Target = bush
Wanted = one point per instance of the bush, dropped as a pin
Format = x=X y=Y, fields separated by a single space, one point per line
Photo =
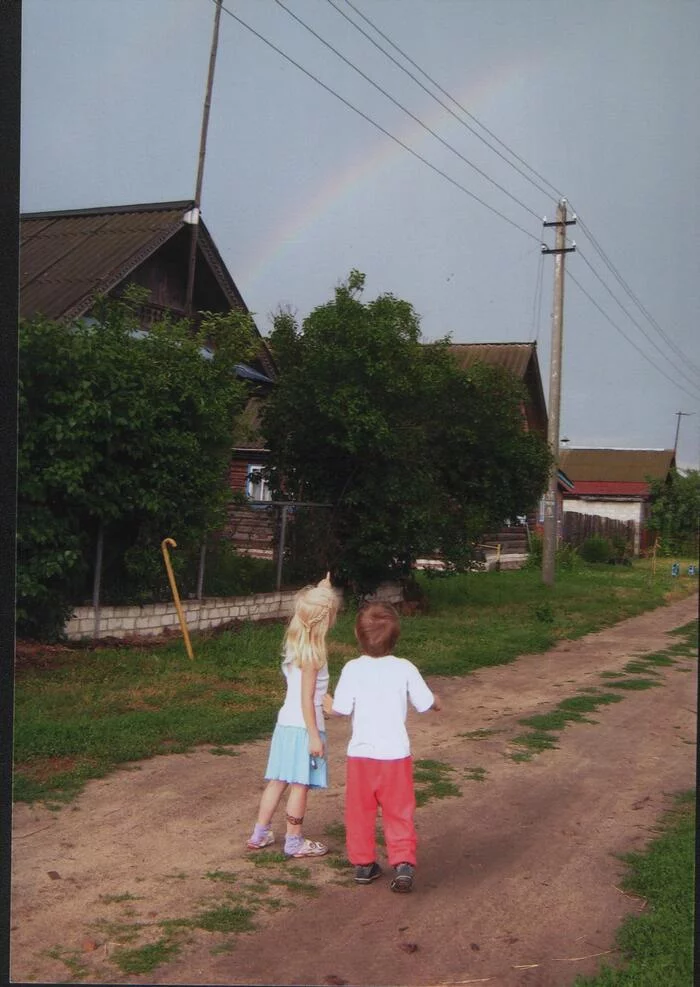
x=123 y=435
x=596 y=549
x=567 y=557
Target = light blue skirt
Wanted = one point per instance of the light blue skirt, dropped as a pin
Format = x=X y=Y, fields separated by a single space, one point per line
x=290 y=760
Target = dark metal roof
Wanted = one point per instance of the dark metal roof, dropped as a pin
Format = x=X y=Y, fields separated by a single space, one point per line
x=68 y=257
x=513 y=356
x=616 y=465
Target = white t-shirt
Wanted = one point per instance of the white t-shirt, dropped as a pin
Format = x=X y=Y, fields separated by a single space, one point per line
x=290 y=714
x=376 y=691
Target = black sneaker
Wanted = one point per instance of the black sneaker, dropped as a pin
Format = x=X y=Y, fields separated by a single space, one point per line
x=366 y=873
x=403 y=877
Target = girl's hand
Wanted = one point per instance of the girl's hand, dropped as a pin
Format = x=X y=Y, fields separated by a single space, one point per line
x=315 y=745
x=328 y=704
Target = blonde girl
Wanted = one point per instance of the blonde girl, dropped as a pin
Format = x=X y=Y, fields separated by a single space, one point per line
x=297 y=750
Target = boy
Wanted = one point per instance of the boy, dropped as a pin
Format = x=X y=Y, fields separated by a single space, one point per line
x=374 y=688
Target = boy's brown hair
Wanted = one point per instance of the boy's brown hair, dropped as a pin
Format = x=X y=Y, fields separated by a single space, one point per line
x=377 y=629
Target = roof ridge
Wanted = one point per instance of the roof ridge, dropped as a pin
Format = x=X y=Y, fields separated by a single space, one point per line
x=519 y=343
x=101 y=210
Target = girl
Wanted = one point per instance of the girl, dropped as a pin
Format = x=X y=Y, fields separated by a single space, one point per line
x=297 y=750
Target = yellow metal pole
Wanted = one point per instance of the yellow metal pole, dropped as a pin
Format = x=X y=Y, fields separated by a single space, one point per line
x=176 y=596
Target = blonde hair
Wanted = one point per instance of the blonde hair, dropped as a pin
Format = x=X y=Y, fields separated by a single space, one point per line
x=315 y=610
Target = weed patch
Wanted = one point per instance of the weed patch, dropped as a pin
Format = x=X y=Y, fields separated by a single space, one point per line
x=223 y=918
x=475 y=774
x=432 y=781
x=144 y=959
x=222 y=875
x=478 y=734
x=71 y=959
x=536 y=741
x=271 y=858
x=633 y=684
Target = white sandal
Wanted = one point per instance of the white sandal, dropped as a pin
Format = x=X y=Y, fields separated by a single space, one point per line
x=266 y=840
x=310 y=848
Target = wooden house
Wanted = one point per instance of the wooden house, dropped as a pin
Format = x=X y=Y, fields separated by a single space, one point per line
x=67 y=258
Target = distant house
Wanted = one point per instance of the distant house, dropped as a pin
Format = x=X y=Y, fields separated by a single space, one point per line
x=614 y=483
x=68 y=258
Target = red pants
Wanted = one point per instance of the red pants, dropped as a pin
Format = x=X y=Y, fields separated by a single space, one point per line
x=389 y=784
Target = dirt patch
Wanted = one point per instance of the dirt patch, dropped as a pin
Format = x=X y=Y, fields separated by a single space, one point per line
x=518 y=878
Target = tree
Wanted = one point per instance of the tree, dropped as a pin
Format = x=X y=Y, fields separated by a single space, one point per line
x=414 y=454
x=675 y=511
x=122 y=432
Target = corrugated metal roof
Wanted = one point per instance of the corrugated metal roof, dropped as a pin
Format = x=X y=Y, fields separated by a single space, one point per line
x=69 y=256
x=616 y=465
x=513 y=356
x=608 y=488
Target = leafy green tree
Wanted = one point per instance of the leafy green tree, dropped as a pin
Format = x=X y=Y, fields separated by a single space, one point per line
x=675 y=511
x=123 y=432
x=413 y=454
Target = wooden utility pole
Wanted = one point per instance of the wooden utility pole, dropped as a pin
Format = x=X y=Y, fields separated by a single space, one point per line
x=200 y=167
x=549 y=541
x=679 y=415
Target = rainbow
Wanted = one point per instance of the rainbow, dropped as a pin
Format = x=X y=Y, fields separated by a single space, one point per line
x=298 y=223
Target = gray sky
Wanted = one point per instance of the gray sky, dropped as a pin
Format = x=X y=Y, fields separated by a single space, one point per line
x=600 y=97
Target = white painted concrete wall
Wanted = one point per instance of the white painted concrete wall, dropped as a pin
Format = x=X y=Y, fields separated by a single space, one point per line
x=154 y=619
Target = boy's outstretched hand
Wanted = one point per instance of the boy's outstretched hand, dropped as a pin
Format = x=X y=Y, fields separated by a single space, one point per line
x=437 y=704
x=328 y=704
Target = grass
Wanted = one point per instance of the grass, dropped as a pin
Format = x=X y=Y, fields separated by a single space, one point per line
x=71 y=959
x=657 y=945
x=432 y=781
x=86 y=712
x=475 y=774
x=144 y=959
x=541 y=737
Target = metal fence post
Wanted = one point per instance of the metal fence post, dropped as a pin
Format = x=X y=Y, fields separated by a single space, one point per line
x=200 y=572
x=96 y=582
x=280 y=556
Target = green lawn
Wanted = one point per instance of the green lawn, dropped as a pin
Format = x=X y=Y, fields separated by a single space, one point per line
x=84 y=712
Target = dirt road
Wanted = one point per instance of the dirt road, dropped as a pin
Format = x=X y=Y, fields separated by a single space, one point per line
x=517 y=884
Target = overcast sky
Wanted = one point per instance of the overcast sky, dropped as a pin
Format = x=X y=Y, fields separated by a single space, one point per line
x=599 y=97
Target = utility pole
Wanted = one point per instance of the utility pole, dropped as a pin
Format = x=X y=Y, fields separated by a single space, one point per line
x=200 y=168
x=549 y=541
x=679 y=415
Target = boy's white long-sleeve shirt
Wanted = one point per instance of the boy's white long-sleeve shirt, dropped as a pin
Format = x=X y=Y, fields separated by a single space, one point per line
x=376 y=691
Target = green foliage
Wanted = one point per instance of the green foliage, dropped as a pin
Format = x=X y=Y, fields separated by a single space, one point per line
x=596 y=549
x=125 y=432
x=414 y=454
x=566 y=556
x=675 y=512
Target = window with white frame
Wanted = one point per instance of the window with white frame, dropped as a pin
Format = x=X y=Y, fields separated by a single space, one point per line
x=256 y=486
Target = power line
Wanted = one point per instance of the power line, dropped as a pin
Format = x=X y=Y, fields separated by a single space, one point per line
x=378 y=126
x=625 y=336
x=413 y=116
x=634 y=321
x=554 y=190
x=611 y=267
x=433 y=96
